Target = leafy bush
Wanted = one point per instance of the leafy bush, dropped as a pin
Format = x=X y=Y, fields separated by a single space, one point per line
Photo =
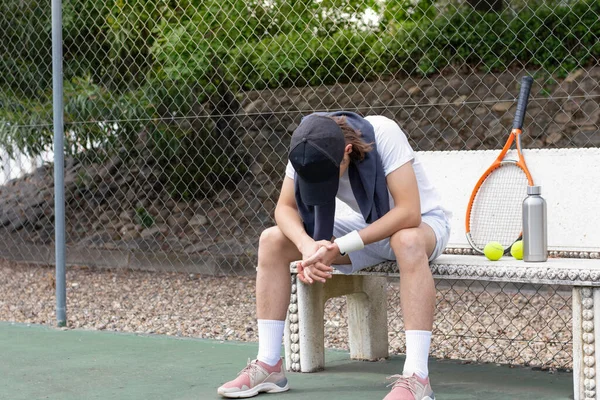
x=558 y=39
x=25 y=47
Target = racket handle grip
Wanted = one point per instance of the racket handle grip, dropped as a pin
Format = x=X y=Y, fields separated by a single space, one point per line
x=526 y=83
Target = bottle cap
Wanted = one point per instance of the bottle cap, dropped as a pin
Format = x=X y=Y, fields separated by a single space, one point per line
x=534 y=190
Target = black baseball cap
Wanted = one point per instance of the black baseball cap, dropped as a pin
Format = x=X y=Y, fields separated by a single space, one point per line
x=316 y=151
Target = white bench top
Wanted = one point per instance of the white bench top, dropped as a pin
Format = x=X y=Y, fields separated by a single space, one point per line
x=556 y=271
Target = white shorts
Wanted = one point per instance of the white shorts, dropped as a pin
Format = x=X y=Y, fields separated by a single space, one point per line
x=381 y=251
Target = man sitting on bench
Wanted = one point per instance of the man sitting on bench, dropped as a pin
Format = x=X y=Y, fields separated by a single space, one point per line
x=368 y=164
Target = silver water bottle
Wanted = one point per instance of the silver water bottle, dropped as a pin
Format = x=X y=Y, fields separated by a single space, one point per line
x=535 y=236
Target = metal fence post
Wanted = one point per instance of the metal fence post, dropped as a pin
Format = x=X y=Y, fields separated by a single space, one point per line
x=59 y=187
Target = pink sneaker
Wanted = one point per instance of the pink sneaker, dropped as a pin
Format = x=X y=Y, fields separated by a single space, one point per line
x=255 y=378
x=410 y=388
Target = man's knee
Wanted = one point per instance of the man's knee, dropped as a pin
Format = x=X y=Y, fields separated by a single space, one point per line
x=274 y=248
x=409 y=246
x=272 y=238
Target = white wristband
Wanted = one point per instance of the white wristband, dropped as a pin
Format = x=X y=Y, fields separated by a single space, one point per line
x=350 y=242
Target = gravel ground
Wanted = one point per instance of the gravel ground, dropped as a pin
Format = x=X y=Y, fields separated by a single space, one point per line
x=501 y=324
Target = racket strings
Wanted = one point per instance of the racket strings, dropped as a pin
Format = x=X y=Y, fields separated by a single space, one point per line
x=496 y=213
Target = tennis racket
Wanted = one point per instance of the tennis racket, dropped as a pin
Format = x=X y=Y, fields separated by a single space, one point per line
x=494 y=212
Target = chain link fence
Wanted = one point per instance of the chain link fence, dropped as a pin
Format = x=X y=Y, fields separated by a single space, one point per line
x=178 y=116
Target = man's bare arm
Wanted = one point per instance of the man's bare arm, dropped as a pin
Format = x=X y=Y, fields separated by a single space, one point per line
x=406 y=212
x=287 y=217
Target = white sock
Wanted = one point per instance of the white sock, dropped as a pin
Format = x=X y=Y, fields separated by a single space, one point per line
x=270 y=337
x=417 y=353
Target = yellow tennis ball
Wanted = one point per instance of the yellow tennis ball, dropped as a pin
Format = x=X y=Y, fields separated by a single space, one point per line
x=493 y=251
x=517 y=250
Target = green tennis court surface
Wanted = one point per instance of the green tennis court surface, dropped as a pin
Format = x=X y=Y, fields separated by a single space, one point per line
x=38 y=362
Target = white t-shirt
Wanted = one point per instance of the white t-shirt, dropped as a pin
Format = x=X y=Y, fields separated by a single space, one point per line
x=394 y=151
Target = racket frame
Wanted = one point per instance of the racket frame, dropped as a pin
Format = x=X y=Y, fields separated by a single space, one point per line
x=515 y=136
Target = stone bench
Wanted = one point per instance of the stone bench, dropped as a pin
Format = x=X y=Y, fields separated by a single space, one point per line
x=570 y=180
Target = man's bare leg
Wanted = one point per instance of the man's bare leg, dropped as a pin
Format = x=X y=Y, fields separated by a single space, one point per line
x=273 y=284
x=412 y=248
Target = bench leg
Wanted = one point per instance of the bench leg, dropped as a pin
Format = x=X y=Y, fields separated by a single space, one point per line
x=306 y=333
x=367 y=318
x=291 y=338
x=586 y=333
